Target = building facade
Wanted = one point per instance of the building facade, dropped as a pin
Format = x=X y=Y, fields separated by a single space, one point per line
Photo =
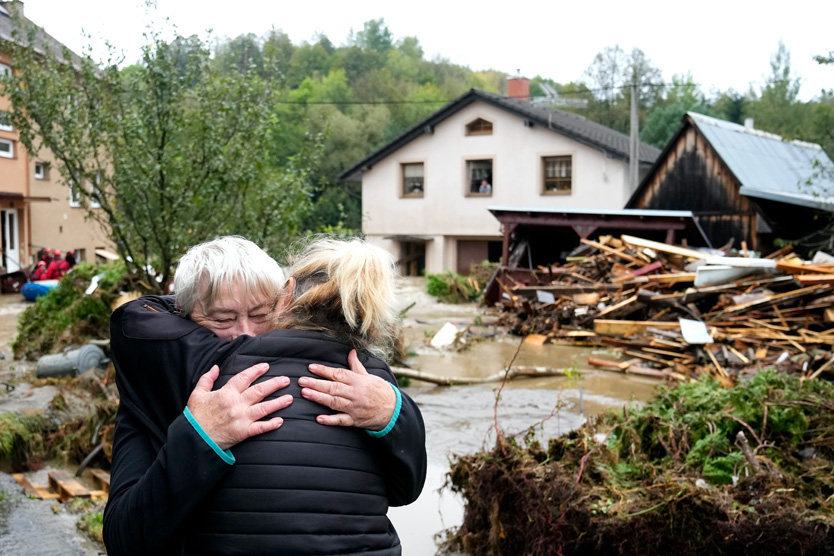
x=36 y=209
x=426 y=195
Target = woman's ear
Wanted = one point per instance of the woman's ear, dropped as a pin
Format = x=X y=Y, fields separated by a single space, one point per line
x=286 y=297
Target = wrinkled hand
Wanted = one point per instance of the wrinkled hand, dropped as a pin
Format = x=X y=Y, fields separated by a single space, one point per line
x=231 y=414
x=365 y=401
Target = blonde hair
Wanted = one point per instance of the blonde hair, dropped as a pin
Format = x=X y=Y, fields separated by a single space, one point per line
x=345 y=288
x=206 y=269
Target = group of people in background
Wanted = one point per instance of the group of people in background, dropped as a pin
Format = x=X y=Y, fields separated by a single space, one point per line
x=51 y=266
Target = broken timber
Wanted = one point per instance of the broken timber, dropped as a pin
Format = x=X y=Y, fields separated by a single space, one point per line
x=63 y=486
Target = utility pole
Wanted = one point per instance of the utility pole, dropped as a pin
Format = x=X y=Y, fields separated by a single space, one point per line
x=634 y=141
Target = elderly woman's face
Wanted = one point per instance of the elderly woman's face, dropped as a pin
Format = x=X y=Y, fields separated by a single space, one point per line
x=234 y=314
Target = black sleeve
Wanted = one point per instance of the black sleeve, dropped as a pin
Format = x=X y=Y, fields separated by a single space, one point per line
x=403 y=455
x=402 y=451
x=153 y=490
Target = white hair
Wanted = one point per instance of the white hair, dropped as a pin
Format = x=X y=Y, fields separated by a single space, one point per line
x=209 y=267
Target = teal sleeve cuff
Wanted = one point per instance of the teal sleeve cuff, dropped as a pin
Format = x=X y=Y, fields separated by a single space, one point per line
x=393 y=421
x=225 y=455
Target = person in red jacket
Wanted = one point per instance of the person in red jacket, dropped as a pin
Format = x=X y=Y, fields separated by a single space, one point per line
x=57 y=268
x=40 y=272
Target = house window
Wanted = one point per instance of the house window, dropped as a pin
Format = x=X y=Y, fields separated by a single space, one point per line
x=74 y=196
x=94 y=194
x=6 y=148
x=41 y=170
x=480 y=176
x=5 y=70
x=479 y=127
x=5 y=121
x=557 y=172
x=413 y=179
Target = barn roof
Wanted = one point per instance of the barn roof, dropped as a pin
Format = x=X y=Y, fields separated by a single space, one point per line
x=765 y=165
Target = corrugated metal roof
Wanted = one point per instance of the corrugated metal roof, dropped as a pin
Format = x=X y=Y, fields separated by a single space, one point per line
x=768 y=167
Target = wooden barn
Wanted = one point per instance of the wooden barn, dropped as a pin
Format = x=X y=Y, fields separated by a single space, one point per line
x=742 y=184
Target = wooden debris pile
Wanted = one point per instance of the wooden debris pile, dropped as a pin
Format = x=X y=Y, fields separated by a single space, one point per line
x=670 y=311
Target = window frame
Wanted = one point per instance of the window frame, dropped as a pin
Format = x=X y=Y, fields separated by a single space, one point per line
x=490 y=179
x=544 y=189
x=471 y=130
x=42 y=174
x=412 y=195
x=73 y=201
x=10 y=153
x=9 y=126
x=93 y=202
x=5 y=69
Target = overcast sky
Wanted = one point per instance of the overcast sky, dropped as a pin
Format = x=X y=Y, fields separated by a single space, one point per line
x=722 y=43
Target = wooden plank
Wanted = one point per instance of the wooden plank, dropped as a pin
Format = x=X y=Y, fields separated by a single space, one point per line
x=615 y=252
x=718 y=367
x=67 y=486
x=103 y=478
x=28 y=487
x=535 y=339
x=791 y=268
x=616 y=306
x=613 y=327
x=805 y=279
x=663 y=247
x=605 y=363
x=673 y=278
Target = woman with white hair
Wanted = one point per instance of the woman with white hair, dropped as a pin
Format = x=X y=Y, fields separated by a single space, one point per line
x=320 y=478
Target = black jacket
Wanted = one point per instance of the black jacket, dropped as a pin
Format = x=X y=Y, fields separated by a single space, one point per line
x=164 y=475
x=308 y=488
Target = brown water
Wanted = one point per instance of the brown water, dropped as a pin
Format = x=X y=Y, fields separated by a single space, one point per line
x=461 y=419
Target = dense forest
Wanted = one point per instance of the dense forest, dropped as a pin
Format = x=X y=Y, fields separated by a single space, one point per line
x=357 y=96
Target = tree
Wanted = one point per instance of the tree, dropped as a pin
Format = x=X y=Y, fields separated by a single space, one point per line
x=682 y=96
x=375 y=36
x=778 y=109
x=163 y=154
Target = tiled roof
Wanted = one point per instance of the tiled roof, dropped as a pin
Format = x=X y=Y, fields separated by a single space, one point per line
x=42 y=39
x=572 y=125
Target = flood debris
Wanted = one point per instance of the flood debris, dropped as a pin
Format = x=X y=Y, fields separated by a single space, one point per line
x=678 y=311
x=702 y=469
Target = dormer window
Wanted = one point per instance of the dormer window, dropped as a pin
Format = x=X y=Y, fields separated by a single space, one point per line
x=479 y=127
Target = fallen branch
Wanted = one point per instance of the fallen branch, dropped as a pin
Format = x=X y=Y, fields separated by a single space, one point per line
x=514 y=372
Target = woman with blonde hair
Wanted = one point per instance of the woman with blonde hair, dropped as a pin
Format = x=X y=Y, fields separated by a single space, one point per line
x=349 y=445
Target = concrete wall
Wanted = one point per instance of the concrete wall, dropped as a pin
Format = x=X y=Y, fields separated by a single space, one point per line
x=447 y=211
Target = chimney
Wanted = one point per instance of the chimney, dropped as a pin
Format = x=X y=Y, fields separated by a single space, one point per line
x=518 y=87
x=748 y=123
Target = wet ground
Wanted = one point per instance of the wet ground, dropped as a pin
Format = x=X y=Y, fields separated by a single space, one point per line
x=459 y=420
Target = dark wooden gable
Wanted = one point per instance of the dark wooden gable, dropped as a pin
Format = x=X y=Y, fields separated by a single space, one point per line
x=690 y=175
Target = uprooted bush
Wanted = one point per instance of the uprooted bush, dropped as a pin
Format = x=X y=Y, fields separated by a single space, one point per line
x=79 y=418
x=673 y=477
x=449 y=287
x=66 y=316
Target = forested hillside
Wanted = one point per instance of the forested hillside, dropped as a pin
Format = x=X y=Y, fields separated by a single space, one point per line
x=356 y=96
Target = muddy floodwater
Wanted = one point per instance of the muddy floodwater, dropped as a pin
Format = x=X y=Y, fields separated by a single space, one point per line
x=461 y=419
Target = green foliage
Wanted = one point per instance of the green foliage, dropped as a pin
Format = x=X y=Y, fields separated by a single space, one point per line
x=21 y=440
x=92 y=525
x=163 y=154
x=66 y=316
x=449 y=287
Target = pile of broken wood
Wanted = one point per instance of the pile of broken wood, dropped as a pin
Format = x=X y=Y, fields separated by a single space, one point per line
x=670 y=311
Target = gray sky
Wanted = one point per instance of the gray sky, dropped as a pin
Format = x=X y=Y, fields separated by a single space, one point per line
x=723 y=44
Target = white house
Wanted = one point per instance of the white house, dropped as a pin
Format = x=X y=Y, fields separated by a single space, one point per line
x=425 y=195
